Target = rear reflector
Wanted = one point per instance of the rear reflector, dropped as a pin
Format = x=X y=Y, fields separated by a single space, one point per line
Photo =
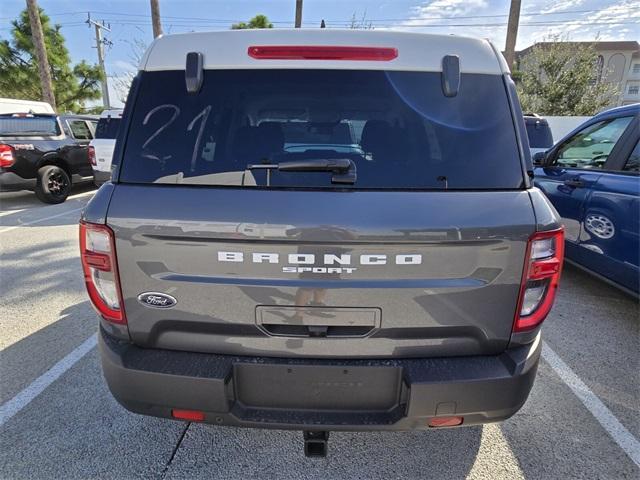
x=6 y=155
x=98 y=256
x=540 y=278
x=190 y=415
x=445 y=422
x=291 y=52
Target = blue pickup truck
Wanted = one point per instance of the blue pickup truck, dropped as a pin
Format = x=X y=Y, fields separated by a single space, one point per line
x=592 y=178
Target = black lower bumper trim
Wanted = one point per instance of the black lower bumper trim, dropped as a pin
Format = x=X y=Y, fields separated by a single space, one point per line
x=319 y=394
x=10 y=181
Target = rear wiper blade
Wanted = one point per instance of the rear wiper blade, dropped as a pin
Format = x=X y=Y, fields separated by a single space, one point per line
x=343 y=169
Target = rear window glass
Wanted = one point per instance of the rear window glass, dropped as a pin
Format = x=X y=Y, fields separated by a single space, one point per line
x=397 y=128
x=28 y=126
x=108 y=127
x=539 y=134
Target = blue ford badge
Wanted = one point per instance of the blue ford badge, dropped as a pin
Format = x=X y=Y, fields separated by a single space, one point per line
x=157 y=300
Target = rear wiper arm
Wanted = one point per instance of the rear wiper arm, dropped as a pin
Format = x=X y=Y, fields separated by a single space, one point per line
x=343 y=169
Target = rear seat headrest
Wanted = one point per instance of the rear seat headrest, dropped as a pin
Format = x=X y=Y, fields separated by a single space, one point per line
x=375 y=135
x=270 y=134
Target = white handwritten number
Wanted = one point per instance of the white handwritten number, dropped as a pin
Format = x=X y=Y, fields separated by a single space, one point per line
x=176 y=112
x=204 y=114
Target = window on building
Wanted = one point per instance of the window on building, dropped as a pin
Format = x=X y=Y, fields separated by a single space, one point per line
x=633 y=89
x=636 y=68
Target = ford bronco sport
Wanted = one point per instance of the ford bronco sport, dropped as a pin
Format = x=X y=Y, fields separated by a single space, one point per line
x=321 y=230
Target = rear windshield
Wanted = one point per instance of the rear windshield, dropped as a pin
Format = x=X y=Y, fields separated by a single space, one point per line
x=108 y=127
x=397 y=129
x=28 y=126
x=539 y=134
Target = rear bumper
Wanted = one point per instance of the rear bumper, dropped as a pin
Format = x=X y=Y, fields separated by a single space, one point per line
x=10 y=181
x=306 y=394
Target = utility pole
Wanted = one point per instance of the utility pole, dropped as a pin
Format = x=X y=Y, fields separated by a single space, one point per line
x=41 y=53
x=100 y=43
x=298 y=13
x=512 y=33
x=155 y=18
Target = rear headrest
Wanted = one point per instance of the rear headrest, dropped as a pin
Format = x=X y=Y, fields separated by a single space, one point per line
x=254 y=144
x=375 y=135
x=341 y=134
x=244 y=144
x=271 y=136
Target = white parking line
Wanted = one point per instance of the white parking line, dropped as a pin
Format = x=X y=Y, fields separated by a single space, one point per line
x=22 y=399
x=8 y=229
x=623 y=437
x=11 y=212
x=80 y=195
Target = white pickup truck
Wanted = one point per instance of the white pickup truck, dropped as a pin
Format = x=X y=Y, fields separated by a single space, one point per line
x=101 y=147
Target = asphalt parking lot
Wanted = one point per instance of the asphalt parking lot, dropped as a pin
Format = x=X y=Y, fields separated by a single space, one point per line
x=58 y=420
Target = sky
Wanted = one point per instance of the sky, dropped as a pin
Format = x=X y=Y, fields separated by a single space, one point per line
x=130 y=20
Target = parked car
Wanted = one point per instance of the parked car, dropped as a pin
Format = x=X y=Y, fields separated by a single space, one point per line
x=538 y=133
x=307 y=237
x=591 y=177
x=101 y=147
x=45 y=153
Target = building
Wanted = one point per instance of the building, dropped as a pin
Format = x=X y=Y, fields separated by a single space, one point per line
x=618 y=62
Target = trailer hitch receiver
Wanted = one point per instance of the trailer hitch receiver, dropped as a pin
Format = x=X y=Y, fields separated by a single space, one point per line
x=315 y=443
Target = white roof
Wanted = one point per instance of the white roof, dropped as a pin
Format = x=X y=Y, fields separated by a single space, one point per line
x=13 y=105
x=416 y=51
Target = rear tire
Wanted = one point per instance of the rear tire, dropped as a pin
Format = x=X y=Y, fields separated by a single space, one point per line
x=53 y=185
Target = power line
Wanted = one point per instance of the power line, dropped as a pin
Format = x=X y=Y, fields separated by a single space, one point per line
x=226 y=20
x=333 y=26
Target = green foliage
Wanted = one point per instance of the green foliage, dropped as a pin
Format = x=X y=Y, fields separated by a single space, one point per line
x=562 y=78
x=72 y=85
x=259 y=21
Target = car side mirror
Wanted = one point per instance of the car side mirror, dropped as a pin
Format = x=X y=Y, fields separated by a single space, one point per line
x=539 y=158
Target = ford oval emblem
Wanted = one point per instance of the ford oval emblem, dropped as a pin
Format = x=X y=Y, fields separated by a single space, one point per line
x=157 y=300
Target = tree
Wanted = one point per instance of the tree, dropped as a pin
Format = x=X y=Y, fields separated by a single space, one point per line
x=123 y=81
x=72 y=85
x=259 y=21
x=563 y=78
x=360 y=24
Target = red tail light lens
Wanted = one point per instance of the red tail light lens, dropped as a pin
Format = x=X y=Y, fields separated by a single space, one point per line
x=293 y=52
x=6 y=155
x=91 y=153
x=540 y=279
x=98 y=255
x=190 y=415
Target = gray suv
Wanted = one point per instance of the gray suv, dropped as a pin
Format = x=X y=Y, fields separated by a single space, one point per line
x=321 y=230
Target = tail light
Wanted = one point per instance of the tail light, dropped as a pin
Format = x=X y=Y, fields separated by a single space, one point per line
x=91 y=153
x=540 y=278
x=301 y=52
x=98 y=255
x=6 y=155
